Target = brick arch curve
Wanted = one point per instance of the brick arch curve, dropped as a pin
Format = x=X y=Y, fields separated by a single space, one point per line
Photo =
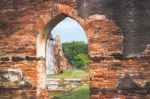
x=93 y=26
x=56 y=10
x=49 y=20
x=99 y=30
x=43 y=27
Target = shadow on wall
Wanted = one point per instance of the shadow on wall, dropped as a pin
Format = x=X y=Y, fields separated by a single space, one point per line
x=132 y=16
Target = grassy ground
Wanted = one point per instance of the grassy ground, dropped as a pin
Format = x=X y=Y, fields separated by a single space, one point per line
x=72 y=73
x=82 y=92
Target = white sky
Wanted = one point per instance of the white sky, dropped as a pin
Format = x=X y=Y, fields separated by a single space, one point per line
x=69 y=30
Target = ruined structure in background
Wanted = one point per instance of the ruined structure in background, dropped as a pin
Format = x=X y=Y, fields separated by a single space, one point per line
x=61 y=61
x=50 y=56
x=56 y=62
x=118 y=46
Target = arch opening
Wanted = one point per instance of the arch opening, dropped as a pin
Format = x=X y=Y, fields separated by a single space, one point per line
x=43 y=34
x=52 y=44
x=65 y=38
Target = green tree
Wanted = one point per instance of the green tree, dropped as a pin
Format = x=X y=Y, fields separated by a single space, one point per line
x=81 y=60
x=76 y=51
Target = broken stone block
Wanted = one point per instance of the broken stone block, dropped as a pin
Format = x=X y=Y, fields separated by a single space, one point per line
x=13 y=79
x=126 y=83
x=147 y=86
x=96 y=58
x=24 y=84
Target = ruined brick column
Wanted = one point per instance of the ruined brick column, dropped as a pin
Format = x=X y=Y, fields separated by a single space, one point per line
x=61 y=60
x=41 y=85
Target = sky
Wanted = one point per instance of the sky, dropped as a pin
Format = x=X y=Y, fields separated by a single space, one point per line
x=69 y=30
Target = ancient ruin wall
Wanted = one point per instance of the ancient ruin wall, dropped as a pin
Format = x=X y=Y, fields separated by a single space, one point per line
x=23 y=22
x=132 y=16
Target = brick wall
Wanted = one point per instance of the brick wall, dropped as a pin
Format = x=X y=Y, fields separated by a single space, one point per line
x=111 y=74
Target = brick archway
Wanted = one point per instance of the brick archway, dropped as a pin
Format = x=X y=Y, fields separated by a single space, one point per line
x=108 y=68
x=95 y=27
x=48 y=21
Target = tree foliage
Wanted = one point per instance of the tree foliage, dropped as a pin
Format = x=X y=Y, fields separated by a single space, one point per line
x=76 y=52
x=81 y=60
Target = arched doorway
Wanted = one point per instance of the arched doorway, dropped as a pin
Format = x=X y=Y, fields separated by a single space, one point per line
x=45 y=34
x=96 y=27
x=67 y=57
x=66 y=33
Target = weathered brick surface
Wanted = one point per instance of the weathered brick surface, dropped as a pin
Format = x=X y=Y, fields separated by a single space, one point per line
x=28 y=69
x=21 y=22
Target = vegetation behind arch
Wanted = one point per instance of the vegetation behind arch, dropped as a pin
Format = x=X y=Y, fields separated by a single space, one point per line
x=77 y=53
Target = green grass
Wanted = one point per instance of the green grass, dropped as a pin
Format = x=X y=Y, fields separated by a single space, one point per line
x=72 y=73
x=82 y=92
